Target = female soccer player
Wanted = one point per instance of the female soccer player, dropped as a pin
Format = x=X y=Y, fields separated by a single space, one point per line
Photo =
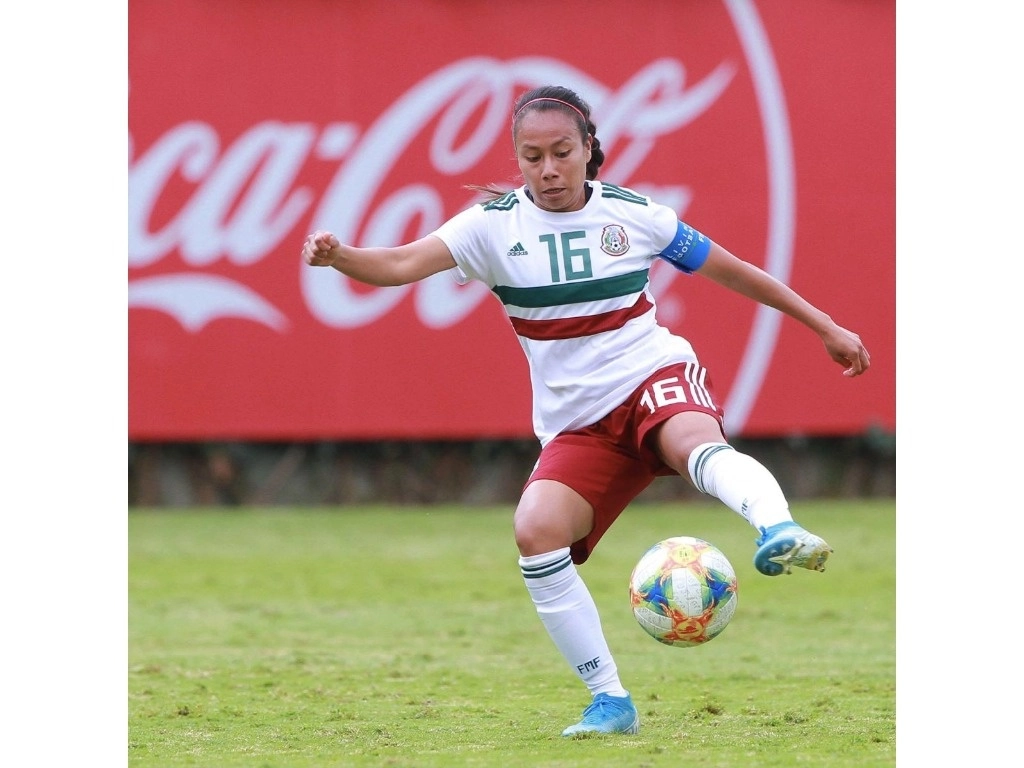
x=617 y=398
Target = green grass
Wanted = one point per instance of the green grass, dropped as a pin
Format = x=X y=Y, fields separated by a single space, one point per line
x=405 y=637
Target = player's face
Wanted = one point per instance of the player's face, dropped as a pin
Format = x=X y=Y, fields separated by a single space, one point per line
x=553 y=157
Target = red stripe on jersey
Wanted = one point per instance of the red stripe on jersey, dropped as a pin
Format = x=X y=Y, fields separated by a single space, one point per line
x=575 y=327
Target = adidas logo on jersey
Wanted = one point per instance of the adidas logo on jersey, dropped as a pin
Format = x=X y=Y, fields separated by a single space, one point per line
x=517 y=250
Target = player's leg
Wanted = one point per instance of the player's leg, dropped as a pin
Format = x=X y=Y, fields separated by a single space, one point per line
x=549 y=518
x=555 y=528
x=692 y=443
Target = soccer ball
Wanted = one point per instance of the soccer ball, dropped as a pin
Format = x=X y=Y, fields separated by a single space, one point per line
x=683 y=591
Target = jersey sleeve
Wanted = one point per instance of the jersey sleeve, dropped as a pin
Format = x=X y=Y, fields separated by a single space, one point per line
x=465 y=234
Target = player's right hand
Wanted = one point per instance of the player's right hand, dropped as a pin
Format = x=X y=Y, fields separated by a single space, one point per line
x=320 y=249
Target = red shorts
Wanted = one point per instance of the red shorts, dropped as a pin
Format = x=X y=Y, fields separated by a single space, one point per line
x=611 y=461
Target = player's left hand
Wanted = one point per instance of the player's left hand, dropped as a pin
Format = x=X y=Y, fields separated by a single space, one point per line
x=846 y=348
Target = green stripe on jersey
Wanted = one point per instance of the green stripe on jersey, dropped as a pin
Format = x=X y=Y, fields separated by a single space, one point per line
x=504 y=203
x=573 y=293
x=621 y=193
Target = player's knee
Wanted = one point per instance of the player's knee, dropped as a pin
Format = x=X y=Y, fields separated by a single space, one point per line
x=682 y=434
x=530 y=538
x=536 y=535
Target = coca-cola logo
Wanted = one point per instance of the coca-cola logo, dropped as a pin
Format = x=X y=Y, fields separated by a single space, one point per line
x=246 y=201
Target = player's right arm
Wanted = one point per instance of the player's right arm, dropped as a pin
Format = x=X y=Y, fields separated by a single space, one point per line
x=396 y=265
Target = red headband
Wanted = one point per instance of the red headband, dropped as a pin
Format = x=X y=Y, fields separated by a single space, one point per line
x=548 y=98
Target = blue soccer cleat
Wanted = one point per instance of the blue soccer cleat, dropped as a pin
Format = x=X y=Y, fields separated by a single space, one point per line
x=784 y=545
x=607 y=714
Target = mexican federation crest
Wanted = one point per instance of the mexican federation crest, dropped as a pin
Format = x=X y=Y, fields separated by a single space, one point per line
x=613 y=240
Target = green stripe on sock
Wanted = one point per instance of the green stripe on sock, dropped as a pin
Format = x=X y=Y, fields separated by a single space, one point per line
x=702 y=460
x=545 y=569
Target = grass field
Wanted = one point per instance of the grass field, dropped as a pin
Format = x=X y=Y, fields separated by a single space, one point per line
x=405 y=637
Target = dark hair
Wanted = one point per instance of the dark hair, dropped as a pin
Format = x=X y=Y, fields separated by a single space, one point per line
x=547 y=97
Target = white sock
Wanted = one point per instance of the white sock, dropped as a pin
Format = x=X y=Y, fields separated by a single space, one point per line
x=742 y=483
x=569 y=614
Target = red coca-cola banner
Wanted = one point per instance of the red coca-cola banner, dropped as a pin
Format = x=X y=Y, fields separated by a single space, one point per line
x=769 y=126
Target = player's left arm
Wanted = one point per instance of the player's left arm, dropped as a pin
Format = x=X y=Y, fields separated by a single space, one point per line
x=842 y=345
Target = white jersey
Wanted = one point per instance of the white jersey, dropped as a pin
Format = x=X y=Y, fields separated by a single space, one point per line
x=575 y=288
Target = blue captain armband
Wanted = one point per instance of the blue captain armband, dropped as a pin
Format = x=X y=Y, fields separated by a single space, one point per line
x=688 y=250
